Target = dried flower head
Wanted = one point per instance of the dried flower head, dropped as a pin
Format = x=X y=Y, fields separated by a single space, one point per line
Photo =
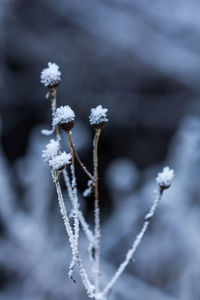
x=98 y=116
x=165 y=178
x=51 y=76
x=64 y=116
x=60 y=161
x=52 y=150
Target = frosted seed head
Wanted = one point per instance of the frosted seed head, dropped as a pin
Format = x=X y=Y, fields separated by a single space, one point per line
x=51 y=76
x=64 y=116
x=60 y=161
x=98 y=116
x=165 y=178
x=52 y=150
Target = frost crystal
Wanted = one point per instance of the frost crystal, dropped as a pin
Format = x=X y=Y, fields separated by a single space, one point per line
x=52 y=150
x=63 y=114
x=165 y=178
x=50 y=76
x=58 y=162
x=98 y=115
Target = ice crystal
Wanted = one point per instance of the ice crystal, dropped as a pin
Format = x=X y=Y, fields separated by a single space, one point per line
x=98 y=115
x=52 y=150
x=51 y=75
x=59 y=161
x=63 y=114
x=165 y=178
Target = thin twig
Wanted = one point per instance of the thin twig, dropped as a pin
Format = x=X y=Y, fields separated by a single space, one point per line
x=88 y=286
x=82 y=220
x=96 y=210
x=54 y=106
x=135 y=244
x=75 y=204
x=77 y=156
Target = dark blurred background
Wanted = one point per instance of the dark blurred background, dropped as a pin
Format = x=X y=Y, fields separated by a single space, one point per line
x=141 y=60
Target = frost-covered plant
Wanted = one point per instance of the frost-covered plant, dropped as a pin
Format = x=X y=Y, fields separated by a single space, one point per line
x=64 y=117
x=51 y=76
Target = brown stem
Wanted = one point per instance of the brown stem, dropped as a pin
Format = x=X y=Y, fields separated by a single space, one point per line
x=71 y=149
x=97 y=210
x=77 y=156
x=53 y=99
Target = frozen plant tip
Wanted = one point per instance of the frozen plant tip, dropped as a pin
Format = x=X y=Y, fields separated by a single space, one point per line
x=64 y=116
x=98 y=116
x=51 y=76
x=59 y=162
x=52 y=150
x=165 y=178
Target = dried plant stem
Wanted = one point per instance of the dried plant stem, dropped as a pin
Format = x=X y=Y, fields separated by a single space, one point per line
x=70 y=146
x=75 y=204
x=82 y=220
x=77 y=157
x=54 y=106
x=135 y=244
x=52 y=94
x=88 y=286
x=97 y=232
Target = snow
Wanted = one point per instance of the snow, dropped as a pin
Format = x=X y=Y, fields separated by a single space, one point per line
x=98 y=115
x=51 y=75
x=63 y=114
x=52 y=150
x=60 y=161
x=165 y=178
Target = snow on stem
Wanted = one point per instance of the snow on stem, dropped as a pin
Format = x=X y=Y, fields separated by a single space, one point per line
x=75 y=254
x=75 y=203
x=97 y=232
x=82 y=220
x=135 y=244
x=52 y=94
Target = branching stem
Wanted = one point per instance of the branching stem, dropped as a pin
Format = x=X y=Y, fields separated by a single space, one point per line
x=88 y=286
x=135 y=244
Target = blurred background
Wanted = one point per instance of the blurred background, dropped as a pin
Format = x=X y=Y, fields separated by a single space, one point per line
x=141 y=60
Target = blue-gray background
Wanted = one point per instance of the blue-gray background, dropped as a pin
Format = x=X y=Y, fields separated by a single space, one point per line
x=141 y=60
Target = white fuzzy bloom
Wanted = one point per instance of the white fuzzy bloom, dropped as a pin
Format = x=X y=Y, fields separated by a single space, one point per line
x=98 y=115
x=50 y=76
x=63 y=114
x=52 y=150
x=165 y=178
x=59 y=161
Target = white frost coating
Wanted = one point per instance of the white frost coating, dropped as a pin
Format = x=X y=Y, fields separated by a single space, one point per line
x=60 y=161
x=51 y=75
x=87 y=192
x=88 y=286
x=82 y=220
x=53 y=109
x=132 y=250
x=98 y=115
x=52 y=150
x=63 y=114
x=75 y=204
x=165 y=178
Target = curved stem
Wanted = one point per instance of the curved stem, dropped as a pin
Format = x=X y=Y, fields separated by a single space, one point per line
x=135 y=244
x=77 y=156
x=96 y=210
